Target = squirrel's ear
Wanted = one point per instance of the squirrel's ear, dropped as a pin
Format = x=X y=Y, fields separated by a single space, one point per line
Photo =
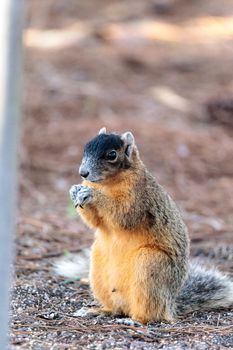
x=103 y=131
x=129 y=142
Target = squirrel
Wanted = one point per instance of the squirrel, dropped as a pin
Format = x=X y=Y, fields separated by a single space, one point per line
x=139 y=264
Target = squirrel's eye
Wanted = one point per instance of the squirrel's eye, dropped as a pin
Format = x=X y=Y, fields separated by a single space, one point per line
x=111 y=155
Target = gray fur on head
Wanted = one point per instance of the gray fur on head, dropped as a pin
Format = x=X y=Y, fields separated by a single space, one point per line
x=103 y=131
x=129 y=142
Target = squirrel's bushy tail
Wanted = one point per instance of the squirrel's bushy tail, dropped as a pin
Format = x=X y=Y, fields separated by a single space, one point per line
x=74 y=265
x=204 y=289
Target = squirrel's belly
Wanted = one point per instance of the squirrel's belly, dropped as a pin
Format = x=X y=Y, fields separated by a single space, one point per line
x=113 y=267
x=110 y=279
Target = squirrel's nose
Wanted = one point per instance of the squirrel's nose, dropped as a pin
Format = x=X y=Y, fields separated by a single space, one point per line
x=83 y=172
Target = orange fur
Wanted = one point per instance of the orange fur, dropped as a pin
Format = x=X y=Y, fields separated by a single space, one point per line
x=116 y=261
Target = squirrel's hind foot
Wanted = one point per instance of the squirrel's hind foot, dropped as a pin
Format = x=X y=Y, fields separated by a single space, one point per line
x=92 y=311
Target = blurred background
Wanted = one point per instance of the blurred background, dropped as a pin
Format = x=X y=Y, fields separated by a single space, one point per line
x=162 y=69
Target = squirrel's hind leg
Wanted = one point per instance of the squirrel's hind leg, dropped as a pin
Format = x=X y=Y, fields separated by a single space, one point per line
x=150 y=297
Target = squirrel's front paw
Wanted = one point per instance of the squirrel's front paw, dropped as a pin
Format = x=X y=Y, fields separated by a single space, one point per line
x=80 y=195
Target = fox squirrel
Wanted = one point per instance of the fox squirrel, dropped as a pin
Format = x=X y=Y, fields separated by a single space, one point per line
x=140 y=257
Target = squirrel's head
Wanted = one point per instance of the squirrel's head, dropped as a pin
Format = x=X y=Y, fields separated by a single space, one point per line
x=107 y=154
